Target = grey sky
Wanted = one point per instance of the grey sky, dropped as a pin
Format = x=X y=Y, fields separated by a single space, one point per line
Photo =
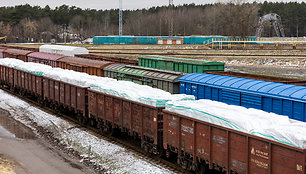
x=108 y=4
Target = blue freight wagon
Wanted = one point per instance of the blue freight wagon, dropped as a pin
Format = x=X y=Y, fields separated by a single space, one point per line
x=279 y=98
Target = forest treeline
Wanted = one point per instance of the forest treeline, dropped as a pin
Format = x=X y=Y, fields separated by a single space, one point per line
x=25 y=23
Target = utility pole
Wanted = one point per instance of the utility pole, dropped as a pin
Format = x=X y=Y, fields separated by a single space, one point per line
x=297 y=31
x=171 y=17
x=120 y=17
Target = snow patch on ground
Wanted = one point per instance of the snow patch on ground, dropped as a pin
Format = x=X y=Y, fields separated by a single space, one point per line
x=268 y=62
x=113 y=158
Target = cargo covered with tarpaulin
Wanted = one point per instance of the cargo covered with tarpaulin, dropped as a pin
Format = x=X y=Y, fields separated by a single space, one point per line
x=161 y=79
x=279 y=98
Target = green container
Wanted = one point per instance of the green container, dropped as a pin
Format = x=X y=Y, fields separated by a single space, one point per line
x=179 y=64
x=162 y=79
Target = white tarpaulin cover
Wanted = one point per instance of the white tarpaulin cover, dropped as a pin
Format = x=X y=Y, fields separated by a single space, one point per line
x=257 y=122
x=63 y=50
x=129 y=90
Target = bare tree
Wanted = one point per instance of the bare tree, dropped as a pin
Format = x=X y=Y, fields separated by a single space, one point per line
x=29 y=29
x=235 y=18
x=5 y=30
x=46 y=29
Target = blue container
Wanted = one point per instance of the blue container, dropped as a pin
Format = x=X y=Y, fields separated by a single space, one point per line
x=273 y=97
x=129 y=40
x=152 y=40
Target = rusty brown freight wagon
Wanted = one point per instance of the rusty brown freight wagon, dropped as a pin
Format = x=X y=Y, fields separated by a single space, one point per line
x=108 y=58
x=69 y=96
x=6 y=76
x=198 y=144
x=28 y=83
x=45 y=58
x=137 y=119
x=91 y=67
x=22 y=48
x=2 y=49
x=17 y=54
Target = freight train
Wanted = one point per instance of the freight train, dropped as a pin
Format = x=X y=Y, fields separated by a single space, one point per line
x=195 y=143
x=171 y=74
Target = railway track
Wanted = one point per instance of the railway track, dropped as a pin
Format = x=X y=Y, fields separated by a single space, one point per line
x=158 y=161
x=183 y=49
x=200 y=54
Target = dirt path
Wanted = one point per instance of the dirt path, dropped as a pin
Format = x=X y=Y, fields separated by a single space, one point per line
x=23 y=153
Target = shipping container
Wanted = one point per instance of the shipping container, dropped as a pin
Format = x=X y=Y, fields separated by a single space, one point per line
x=162 y=79
x=2 y=49
x=130 y=40
x=91 y=67
x=72 y=97
x=152 y=40
x=179 y=64
x=17 y=54
x=261 y=77
x=283 y=99
x=45 y=58
x=139 y=120
x=200 y=145
x=63 y=50
x=108 y=58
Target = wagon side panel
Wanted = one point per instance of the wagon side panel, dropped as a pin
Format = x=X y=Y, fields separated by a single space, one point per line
x=118 y=111
x=82 y=100
x=57 y=91
x=92 y=105
x=171 y=131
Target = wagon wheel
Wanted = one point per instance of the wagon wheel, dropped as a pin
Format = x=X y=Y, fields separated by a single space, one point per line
x=80 y=119
x=168 y=154
x=184 y=164
x=92 y=122
x=112 y=131
x=160 y=153
x=146 y=148
x=202 y=169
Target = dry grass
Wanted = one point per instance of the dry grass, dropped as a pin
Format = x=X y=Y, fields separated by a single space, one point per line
x=6 y=166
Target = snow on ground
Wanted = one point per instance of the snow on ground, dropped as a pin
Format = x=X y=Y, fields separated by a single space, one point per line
x=113 y=158
x=275 y=62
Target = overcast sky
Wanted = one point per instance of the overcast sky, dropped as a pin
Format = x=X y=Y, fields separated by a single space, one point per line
x=109 y=4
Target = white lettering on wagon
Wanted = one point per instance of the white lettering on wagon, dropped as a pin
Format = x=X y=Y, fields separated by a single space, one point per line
x=259 y=153
x=187 y=129
x=260 y=163
x=299 y=167
x=218 y=139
